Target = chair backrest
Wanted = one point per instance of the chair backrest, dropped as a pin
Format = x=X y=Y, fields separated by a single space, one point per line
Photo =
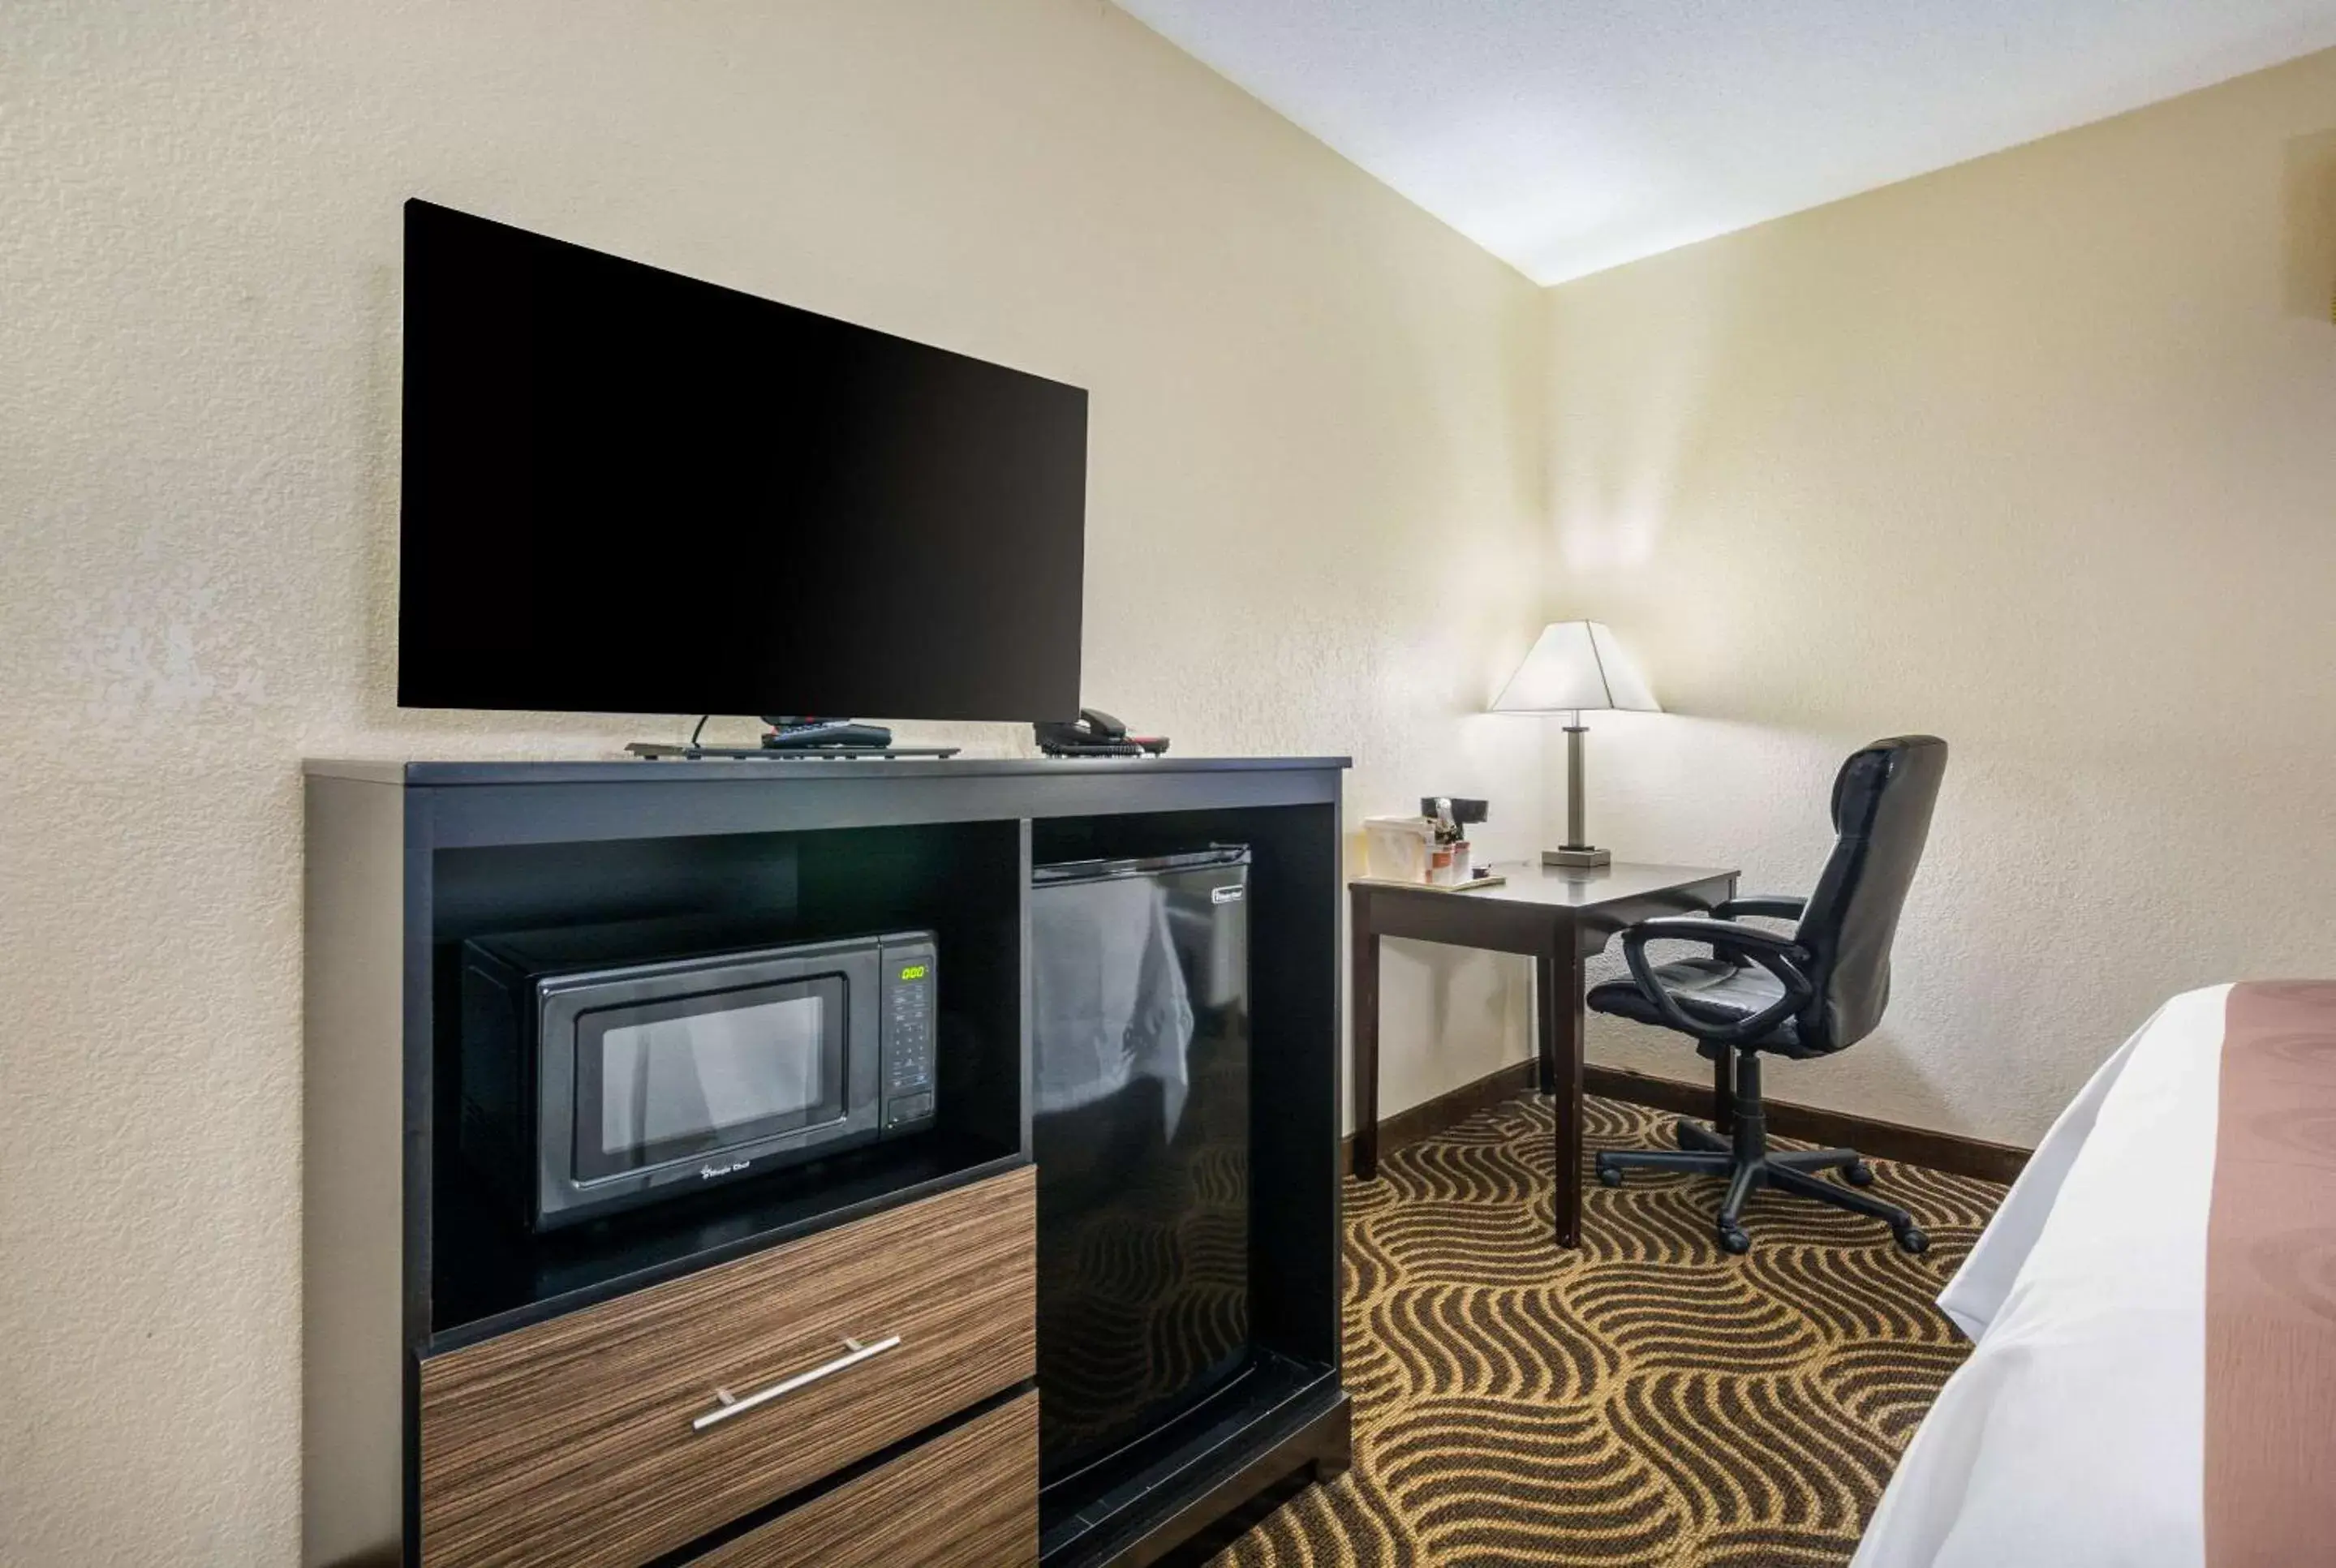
x=1881 y=802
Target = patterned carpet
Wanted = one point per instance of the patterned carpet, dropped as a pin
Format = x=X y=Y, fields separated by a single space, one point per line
x=1647 y=1401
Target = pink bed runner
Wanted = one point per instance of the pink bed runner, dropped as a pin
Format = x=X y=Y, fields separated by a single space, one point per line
x=2271 y=1281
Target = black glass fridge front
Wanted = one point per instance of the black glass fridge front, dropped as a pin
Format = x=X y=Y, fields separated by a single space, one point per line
x=1140 y=1044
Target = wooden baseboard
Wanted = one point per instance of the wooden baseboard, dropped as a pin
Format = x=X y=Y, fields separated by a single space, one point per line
x=1944 y=1151
x=1429 y=1117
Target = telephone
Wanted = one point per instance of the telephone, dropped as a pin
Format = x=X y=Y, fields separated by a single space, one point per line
x=1094 y=733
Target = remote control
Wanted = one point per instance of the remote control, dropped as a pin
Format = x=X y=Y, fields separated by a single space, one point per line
x=806 y=733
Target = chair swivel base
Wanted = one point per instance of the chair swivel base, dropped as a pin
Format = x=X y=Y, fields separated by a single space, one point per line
x=1703 y=1152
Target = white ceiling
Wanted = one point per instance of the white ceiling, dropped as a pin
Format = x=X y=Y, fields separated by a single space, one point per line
x=1571 y=135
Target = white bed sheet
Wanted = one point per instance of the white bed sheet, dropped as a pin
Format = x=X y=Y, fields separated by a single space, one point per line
x=2073 y=1435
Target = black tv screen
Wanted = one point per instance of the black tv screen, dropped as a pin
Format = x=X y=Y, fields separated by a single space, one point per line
x=627 y=490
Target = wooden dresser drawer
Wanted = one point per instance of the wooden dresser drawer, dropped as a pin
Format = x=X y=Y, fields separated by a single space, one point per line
x=603 y=1439
x=967 y=1499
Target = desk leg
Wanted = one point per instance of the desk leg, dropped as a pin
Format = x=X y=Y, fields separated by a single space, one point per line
x=1363 y=963
x=1558 y=984
x=1549 y=1030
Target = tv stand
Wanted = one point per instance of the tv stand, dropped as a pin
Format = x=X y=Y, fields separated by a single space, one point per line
x=473 y=1394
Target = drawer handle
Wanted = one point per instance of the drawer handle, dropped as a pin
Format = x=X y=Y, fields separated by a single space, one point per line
x=737 y=1405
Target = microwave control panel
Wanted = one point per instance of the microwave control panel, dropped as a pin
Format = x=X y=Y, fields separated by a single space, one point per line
x=911 y=985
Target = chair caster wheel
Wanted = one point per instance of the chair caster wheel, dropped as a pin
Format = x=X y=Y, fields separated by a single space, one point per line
x=1858 y=1174
x=1609 y=1175
x=1735 y=1239
x=1913 y=1239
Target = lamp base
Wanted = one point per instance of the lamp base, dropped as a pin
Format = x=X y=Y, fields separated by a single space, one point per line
x=1577 y=855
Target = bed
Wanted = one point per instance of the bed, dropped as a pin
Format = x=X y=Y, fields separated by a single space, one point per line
x=2154 y=1314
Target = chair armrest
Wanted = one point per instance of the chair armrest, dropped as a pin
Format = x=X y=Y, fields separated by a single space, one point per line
x=1751 y=939
x=1779 y=955
x=1767 y=906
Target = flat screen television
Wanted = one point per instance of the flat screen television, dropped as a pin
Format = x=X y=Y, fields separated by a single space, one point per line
x=626 y=491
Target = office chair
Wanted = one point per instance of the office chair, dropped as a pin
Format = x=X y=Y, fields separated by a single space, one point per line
x=1817 y=991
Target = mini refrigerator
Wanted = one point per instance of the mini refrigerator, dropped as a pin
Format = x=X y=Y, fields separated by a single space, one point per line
x=1139 y=1086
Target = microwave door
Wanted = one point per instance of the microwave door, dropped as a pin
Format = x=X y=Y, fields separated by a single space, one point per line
x=704 y=1077
x=774 y=1074
x=729 y=1070
x=642 y=1079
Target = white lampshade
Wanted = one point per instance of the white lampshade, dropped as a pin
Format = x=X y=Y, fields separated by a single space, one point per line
x=1576 y=665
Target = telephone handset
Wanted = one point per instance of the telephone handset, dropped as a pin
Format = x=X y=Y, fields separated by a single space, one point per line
x=1094 y=733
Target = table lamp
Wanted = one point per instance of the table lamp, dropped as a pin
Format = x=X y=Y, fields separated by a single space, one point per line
x=1576 y=667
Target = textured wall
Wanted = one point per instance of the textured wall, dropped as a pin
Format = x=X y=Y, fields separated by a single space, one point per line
x=1315 y=506
x=2038 y=453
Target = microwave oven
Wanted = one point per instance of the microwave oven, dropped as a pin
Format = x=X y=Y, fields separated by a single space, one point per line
x=591 y=1084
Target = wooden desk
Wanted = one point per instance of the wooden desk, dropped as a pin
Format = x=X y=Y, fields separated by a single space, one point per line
x=1559 y=916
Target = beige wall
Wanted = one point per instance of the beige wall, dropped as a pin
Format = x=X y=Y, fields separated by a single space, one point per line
x=1314 y=527
x=2038 y=453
